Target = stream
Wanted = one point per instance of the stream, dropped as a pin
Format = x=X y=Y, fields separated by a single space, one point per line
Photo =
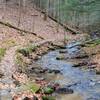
x=84 y=82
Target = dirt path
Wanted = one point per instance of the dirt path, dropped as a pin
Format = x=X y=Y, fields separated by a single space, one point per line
x=8 y=65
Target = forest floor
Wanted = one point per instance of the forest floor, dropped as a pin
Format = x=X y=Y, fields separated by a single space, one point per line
x=12 y=39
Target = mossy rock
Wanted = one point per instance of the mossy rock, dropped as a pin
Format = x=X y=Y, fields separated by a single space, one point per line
x=60 y=57
x=48 y=90
x=48 y=98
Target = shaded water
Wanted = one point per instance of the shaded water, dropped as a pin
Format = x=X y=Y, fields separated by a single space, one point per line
x=83 y=81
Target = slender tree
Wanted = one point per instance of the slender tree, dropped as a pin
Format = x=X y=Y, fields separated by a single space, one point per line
x=20 y=11
x=33 y=22
x=58 y=15
x=4 y=2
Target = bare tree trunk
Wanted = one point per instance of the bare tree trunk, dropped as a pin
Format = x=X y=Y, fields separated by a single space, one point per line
x=20 y=8
x=24 y=6
x=46 y=10
x=4 y=2
x=33 y=22
x=58 y=16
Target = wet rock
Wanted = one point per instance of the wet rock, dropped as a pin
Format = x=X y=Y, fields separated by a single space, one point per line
x=39 y=79
x=98 y=71
x=92 y=83
x=59 y=45
x=76 y=65
x=80 y=64
x=51 y=48
x=93 y=98
x=61 y=57
x=64 y=91
x=73 y=45
x=35 y=98
x=36 y=70
x=27 y=98
x=62 y=47
x=1 y=74
x=63 y=51
x=54 y=71
x=48 y=98
x=92 y=65
x=80 y=55
x=43 y=70
x=53 y=85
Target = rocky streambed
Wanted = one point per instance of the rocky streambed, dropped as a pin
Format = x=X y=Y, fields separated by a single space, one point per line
x=76 y=72
x=54 y=72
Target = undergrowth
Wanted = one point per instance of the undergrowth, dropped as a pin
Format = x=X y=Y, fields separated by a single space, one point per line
x=2 y=52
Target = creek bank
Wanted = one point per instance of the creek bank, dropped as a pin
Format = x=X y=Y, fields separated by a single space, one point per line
x=34 y=52
x=84 y=78
x=26 y=62
x=83 y=54
x=41 y=75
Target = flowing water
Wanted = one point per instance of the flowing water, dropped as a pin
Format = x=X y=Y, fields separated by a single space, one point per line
x=83 y=81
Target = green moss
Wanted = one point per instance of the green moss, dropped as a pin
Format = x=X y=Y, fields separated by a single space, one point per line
x=48 y=98
x=2 y=52
x=27 y=50
x=33 y=87
x=93 y=43
x=97 y=42
x=48 y=90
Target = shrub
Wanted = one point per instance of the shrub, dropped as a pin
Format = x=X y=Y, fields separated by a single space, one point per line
x=27 y=50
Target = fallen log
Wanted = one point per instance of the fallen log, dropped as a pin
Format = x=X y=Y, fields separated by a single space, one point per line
x=72 y=30
x=43 y=42
x=21 y=30
x=50 y=42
